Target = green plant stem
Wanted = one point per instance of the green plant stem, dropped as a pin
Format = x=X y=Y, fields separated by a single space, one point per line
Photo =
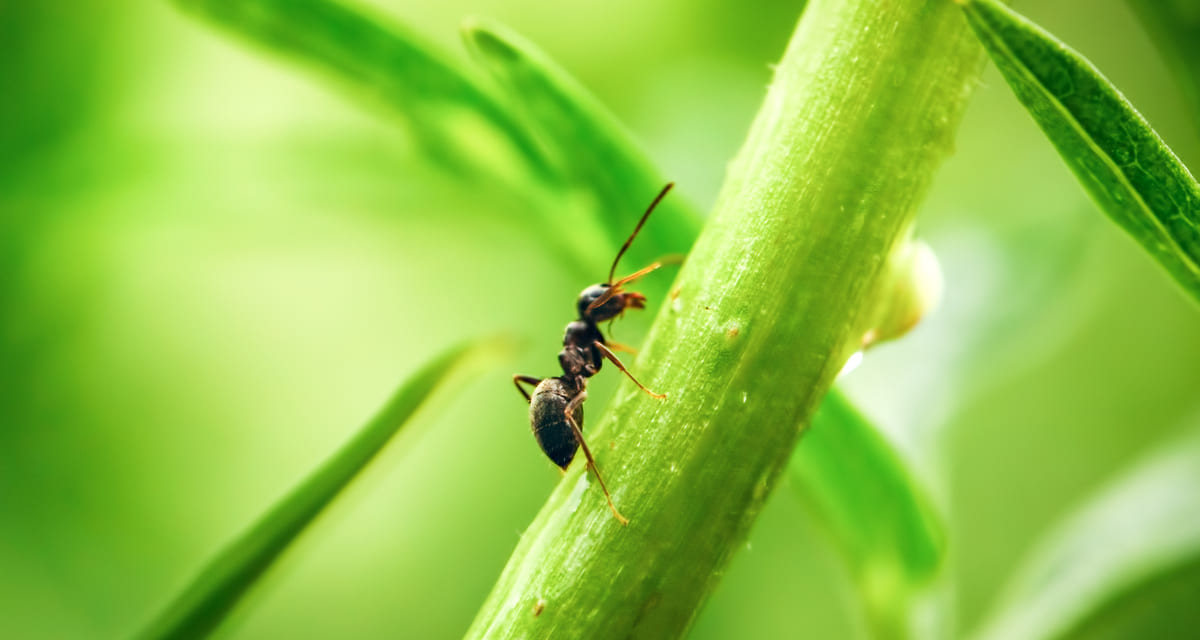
x=774 y=297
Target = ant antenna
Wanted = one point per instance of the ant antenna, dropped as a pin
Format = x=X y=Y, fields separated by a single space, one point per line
x=661 y=194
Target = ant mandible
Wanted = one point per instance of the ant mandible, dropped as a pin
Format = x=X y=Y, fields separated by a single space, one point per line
x=556 y=408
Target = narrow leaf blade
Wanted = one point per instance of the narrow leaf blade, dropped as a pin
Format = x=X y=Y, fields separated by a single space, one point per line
x=1125 y=565
x=454 y=118
x=1118 y=158
x=586 y=141
x=876 y=510
x=218 y=588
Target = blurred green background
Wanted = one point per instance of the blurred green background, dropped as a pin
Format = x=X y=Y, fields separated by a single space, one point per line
x=214 y=266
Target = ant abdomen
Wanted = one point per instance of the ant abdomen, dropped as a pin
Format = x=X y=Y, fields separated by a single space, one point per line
x=547 y=412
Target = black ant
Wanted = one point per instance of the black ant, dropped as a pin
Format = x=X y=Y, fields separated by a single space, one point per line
x=556 y=408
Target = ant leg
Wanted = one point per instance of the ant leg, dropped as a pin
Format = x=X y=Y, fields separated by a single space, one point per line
x=569 y=412
x=613 y=358
x=529 y=380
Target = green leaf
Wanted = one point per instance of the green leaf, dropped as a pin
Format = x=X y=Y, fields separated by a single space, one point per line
x=1125 y=565
x=1175 y=29
x=212 y=595
x=594 y=151
x=454 y=118
x=877 y=512
x=1121 y=162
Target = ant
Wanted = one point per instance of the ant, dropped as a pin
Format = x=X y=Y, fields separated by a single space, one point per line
x=556 y=408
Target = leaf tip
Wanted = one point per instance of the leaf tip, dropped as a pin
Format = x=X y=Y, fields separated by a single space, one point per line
x=483 y=37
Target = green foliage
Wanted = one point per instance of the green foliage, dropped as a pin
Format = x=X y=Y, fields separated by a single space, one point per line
x=1119 y=159
x=1124 y=565
x=545 y=139
x=201 y=607
x=876 y=510
x=805 y=260
x=456 y=120
x=592 y=150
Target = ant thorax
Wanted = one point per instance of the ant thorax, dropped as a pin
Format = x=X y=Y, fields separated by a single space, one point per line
x=581 y=333
x=580 y=357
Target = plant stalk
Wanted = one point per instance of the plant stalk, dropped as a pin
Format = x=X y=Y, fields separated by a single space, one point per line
x=776 y=294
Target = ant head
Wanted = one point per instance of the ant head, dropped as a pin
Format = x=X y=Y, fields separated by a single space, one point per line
x=609 y=308
x=601 y=302
x=607 y=300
